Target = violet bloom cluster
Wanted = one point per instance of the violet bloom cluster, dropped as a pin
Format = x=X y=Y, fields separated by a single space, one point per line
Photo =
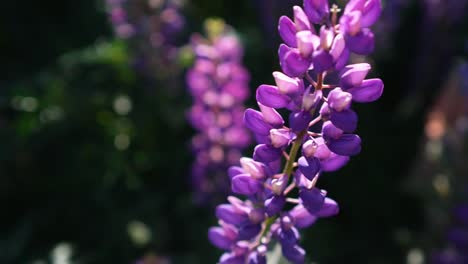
x=290 y=157
x=218 y=84
x=150 y=27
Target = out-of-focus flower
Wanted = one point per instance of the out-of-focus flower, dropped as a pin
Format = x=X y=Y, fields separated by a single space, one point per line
x=218 y=84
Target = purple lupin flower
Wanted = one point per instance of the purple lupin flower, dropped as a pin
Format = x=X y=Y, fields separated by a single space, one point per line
x=307 y=57
x=151 y=29
x=218 y=84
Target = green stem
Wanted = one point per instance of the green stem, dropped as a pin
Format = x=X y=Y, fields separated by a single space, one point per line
x=293 y=153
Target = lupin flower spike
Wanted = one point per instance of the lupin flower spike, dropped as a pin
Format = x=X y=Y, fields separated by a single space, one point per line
x=316 y=42
x=218 y=84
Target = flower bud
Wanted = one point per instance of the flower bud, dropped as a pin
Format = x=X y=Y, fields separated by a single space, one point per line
x=278 y=185
x=362 y=43
x=299 y=121
x=231 y=258
x=312 y=199
x=329 y=208
x=294 y=254
x=352 y=75
x=253 y=120
x=230 y=215
x=247 y=232
x=338 y=46
x=326 y=37
x=274 y=204
x=269 y=95
x=220 y=238
x=254 y=168
x=293 y=64
x=334 y=162
x=322 y=60
x=308 y=148
x=331 y=131
x=287 y=31
x=235 y=170
x=280 y=137
x=311 y=100
x=286 y=84
x=271 y=116
x=346 y=145
x=245 y=184
x=316 y=10
x=305 y=43
x=300 y=19
x=345 y=120
x=351 y=23
x=369 y=91
x=302 y=217
x=322 y=152
x=266 y=153
x=339 y=100
x=309 y=167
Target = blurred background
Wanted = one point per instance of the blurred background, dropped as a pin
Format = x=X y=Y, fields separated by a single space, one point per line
x=95 y=157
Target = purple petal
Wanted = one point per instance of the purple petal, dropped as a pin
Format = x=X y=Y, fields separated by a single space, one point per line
x=338 y=47
x=369 y=91
x=266 y=153
x=302 y=217
x=316 y=10
x=334 y=162
x=271 y=116
x=345 y=120
x=329 y=208
x=253 y=168
x=235 y=170
x=288 y=237
x=269 y=95
x=312 y=199
x=322 y=152
x=371 y=12
x=350 y=23
x=231 y=258
x=286 y=84
x=275 y=204
x=293 y=64
x=300 y=19
x=342 y=60
x=305 y=43
x=299 y=121
x=295 y=254
x=326 y=37
x=245 y=184
x=253 y=120
x=287 y=31
x=347 y=145
x=309 y=167
x=230 y=214
x=353 y=75
x=256 y=258
x=249 y=231
x=218 y=238
x=280 y=137
x=309 y=148
x=339 y=100
x=362 y=43
x=330 y=131
x=323 y=61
